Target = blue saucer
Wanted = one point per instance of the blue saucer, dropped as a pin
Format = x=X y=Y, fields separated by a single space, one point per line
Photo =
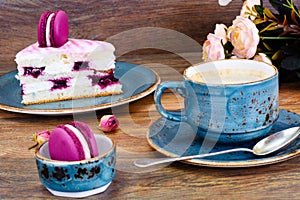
x=175 y=139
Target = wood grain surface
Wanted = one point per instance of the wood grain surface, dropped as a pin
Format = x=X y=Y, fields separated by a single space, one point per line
x=19 y=178
x=109 y=20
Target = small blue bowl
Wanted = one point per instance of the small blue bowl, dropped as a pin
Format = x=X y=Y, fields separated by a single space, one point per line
x=78 y=178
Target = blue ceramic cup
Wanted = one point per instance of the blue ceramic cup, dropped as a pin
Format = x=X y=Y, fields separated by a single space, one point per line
x=78 y=178
x=227 y=101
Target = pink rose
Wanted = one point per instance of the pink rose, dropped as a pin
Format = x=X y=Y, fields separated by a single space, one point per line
x=213 y=48
x=244 y=37
x=108 y=123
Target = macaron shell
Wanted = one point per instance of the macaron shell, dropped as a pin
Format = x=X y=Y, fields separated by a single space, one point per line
x=42 y=29
x=59 y=29
x=64 y=145
x=88 y=135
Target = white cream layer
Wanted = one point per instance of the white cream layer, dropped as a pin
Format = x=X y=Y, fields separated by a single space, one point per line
x=48 y=42
x=79 y=135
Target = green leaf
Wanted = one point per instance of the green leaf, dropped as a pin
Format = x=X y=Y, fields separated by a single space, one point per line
x=274 y=32
x=228 y=47
x=279 y=55
x=269 y=14
x=267 y=46
x=260 y=10
x=294 y=17
x=275 y=4
x=271 y=27
x=285 y=8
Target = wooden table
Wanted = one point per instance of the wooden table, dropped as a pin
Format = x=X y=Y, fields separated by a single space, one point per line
x=19 y=178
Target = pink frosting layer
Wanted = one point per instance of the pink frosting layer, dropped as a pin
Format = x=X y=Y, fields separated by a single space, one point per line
x=72 y=46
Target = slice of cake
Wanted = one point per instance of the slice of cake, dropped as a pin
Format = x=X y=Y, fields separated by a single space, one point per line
x=57 y=68
x=78 y=69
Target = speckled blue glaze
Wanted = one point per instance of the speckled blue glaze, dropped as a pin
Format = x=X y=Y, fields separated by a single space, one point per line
x=77 y=176
x=175 y=139
x=229 y=113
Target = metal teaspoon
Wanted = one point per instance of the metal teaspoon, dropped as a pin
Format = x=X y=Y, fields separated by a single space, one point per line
x=265 y=146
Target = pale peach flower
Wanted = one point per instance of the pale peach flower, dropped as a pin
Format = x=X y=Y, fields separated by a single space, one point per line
x=244 y=37
x=221 y=32
x=213 y=48
x=247 y=11
x=262 y=58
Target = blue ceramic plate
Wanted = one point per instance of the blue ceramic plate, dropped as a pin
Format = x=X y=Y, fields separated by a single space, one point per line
x=137 y=81
x=175 y=139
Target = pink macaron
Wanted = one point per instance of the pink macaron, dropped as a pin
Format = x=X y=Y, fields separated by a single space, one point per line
x=53 y=29
x=72 y=142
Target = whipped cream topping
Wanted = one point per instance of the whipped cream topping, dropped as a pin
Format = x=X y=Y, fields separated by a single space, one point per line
x=48 y=42
x=86 y=149
x=99 y=54
x=73 y=46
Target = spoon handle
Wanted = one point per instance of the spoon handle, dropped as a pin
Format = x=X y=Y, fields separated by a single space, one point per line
x=147 y=162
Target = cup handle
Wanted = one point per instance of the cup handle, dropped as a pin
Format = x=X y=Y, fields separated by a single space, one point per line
x=178 y=86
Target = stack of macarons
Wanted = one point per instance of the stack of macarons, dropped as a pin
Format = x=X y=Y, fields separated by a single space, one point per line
x=72 y=142
x=53 y=29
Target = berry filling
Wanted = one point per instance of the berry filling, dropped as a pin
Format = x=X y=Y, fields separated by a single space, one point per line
x=103 y=81
x=60 y=83
x=80 y=65
x=32 y=71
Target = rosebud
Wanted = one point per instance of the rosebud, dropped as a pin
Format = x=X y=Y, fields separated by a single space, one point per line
x=40 y=138
x=108 y=123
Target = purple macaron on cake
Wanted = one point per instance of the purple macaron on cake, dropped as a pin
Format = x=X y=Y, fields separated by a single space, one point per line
x=72 y=142
x=53 y=29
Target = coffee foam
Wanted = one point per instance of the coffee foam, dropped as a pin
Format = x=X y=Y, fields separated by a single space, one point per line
x=228 y=76
x=230 y=72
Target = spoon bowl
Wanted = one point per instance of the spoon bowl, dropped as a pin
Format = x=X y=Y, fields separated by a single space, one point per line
x=271 y=144
x=276 y=142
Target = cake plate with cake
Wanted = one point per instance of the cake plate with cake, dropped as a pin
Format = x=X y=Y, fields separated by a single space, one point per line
x=62 y=75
